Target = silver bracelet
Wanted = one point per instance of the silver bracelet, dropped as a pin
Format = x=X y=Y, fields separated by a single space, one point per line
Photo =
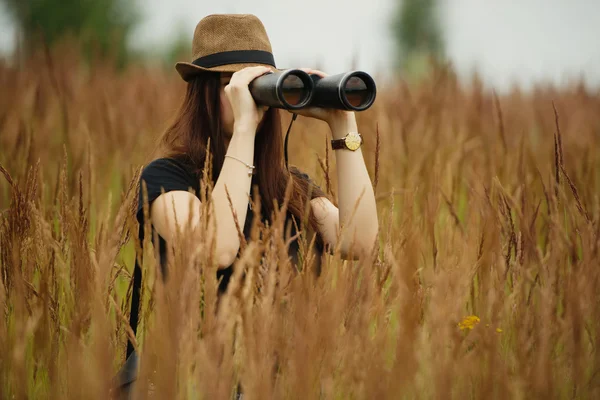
x=250 y=167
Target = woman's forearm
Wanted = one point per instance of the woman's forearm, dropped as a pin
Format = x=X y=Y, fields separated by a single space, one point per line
x=233 y=177
x=356 y=199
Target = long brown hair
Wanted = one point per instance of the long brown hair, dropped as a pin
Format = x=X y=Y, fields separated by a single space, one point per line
x=198 y=120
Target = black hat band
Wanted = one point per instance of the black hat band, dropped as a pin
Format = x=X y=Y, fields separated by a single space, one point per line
x=235 y=57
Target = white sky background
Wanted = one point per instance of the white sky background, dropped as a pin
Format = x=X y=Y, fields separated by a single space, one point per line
x=520 y=41
x=505 y=40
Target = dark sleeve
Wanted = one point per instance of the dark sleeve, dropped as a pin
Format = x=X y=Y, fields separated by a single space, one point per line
x=163 y=174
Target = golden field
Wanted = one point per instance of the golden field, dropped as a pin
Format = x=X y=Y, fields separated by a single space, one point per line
x=485 y=284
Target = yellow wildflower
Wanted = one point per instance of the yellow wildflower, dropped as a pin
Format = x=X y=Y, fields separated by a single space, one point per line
x=498 y=330
x=468 y=322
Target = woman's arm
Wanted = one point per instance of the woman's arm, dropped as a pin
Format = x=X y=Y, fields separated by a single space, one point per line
x=357 y=214
x=176 y=208
x=171 y=211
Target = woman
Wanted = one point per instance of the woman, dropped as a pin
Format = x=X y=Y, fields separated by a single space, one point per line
x=246 y=149
x=246 y=138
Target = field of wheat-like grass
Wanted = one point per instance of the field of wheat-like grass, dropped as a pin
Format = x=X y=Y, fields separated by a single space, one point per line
x=486 y=283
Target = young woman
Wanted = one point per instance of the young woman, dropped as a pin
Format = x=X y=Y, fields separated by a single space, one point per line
x=246 y=147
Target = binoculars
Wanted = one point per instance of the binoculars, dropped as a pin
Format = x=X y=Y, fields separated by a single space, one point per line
x=294 y=89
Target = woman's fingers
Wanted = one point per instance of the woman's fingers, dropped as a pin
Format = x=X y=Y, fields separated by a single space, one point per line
x=311 y=71
x=241 y=79
x=245 y=110
x=248 y=74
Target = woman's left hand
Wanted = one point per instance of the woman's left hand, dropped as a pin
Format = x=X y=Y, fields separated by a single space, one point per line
x=329 y=115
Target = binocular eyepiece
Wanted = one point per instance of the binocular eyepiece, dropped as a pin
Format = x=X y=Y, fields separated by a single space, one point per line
x=294 y=89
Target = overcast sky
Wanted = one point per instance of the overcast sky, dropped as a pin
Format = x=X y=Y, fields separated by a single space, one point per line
x=506 y=40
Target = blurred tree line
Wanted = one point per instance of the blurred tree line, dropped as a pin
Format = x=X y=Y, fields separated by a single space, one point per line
x=102 y=27
x=418 y=35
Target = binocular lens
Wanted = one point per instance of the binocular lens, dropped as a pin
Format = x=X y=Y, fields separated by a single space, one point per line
x=294 y=91
x=353 y=90
x=291 y=89
x=357 y=92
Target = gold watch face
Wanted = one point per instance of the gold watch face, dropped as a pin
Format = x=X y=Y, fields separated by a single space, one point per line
x=353 y=141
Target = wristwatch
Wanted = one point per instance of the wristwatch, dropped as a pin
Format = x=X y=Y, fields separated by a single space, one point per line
x=351 y=141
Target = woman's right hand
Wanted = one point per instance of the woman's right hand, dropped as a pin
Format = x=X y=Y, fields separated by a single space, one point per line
x=245 y=111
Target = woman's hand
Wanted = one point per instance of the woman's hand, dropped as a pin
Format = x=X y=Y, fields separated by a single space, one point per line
x=330 y=115
x=245 y=111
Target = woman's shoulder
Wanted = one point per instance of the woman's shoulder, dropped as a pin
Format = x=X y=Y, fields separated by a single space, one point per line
x=301 y=175
x=169 y=172
x=168 y=165
x=168 y=162
x=298 y=173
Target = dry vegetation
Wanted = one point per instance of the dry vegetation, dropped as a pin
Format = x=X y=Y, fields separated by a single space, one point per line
x=489 y=208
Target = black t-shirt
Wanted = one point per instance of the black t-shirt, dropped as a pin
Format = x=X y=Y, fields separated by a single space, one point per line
x=172 y=174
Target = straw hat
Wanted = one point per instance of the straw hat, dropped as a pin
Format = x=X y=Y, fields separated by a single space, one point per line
x=227 y=43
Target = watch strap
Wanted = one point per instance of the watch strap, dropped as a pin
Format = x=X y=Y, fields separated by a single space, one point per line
x=337 y=144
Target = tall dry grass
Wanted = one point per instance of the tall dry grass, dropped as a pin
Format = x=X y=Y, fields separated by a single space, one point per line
x=488 y=208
